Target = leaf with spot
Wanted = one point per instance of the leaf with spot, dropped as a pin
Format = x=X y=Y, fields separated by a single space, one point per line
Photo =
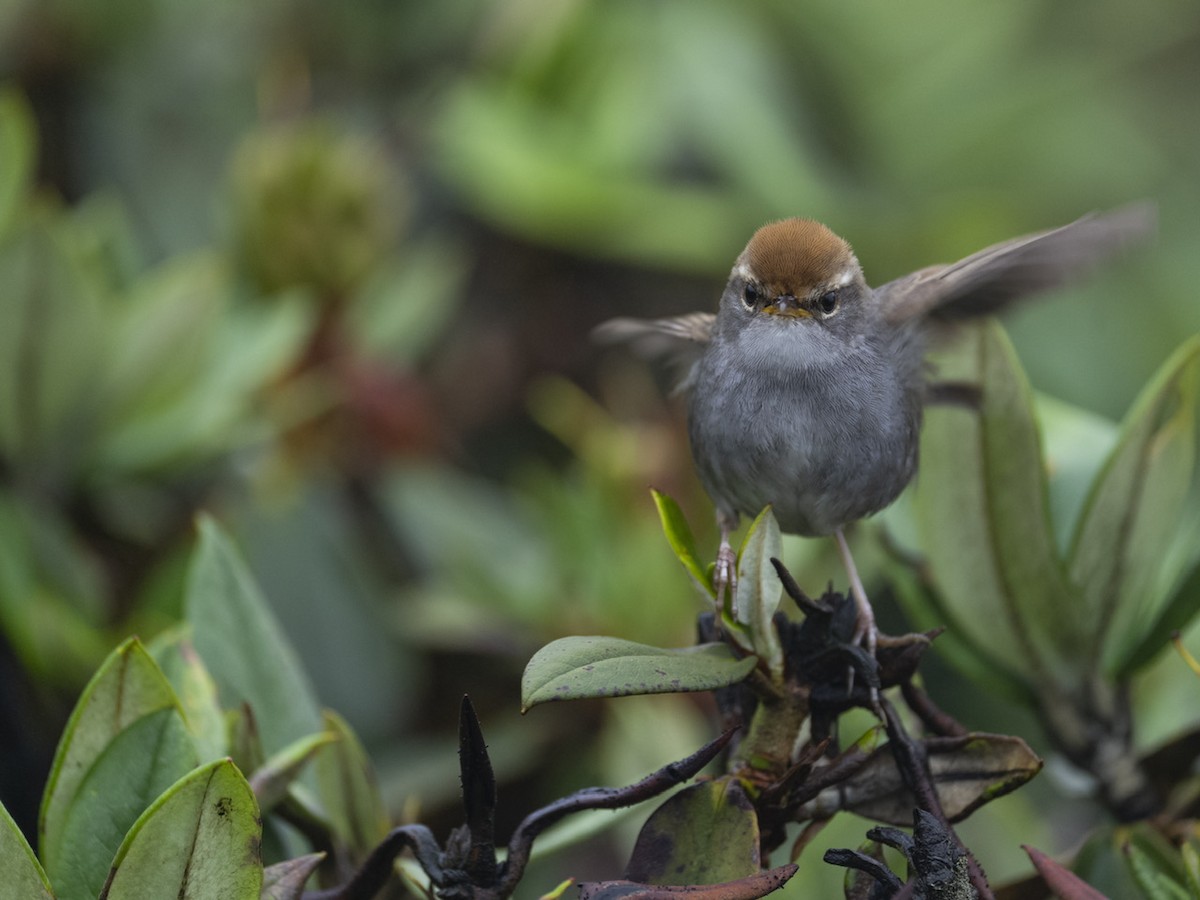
x=705 y=834
x=200 y=839
x=135 y=768
x=24 y=878
x=127 y=687
x=574 y=668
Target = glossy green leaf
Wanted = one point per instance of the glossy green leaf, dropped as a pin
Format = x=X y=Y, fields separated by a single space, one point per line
x=196 y=690
x=200 y=840
x=983 y=512
x=18 y=149
x=243 y=645
x=139 y=763
x=1121 y=554
x=271 y=780
x=23 y=876
x=348 y=789
x=127 y=687
x=704 y=834
x=682 y=541
x=285 y=880
x=759 y=589
x=575 y=668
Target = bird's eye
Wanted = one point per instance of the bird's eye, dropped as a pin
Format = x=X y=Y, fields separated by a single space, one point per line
x=751 y=295
x=827 y=303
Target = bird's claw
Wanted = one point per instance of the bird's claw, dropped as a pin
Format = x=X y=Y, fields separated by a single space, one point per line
x=725 y=574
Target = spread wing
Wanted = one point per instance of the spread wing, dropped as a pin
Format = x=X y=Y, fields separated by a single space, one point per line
x=989 y=280
x=678 y=341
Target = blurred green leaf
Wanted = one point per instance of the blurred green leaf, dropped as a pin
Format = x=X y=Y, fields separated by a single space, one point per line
x=242 y=644
x=704 y=834
x=983 y=511
x=575 y=668
x=285 y=880
x=1076 y=443
x=18 y=150
x=348 y=789
x=1155 y=884
x=126 y=688
x=23 y=875
x=682 y=541
x=1133 y=513
x=135 y=767
x=199 y=839
x=50 y=314
x=402 y=309
x=271 y=780
x=195 y=689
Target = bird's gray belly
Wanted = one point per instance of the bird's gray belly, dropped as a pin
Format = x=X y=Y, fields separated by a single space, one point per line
x=823 y=451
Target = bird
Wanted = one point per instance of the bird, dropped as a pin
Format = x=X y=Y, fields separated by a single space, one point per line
x=805 y=390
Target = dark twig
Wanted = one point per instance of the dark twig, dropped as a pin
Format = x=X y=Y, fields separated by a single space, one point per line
x=652 y=785
x=913 y=764
x=374 y=873
x=935 y=718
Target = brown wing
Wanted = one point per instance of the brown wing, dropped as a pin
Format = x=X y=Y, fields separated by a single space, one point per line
x=989 y=280
x=678 y=341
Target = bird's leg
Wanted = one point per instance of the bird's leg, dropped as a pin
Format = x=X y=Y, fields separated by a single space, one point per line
x=725 y=571
x=865 y=633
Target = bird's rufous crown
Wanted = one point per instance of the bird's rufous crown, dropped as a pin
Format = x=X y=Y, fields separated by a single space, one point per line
x=798 y=255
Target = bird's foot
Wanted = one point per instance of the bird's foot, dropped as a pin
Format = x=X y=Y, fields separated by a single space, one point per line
x=866 y=634
x=725 y=574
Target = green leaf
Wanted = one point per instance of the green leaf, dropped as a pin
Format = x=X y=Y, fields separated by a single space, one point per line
x=704 y=834
x=50 y=316
x=200 y=839
x=1121 y=552
x=18 y=152
x=348 y=790
x=271 y=780
x=196 y=690
x=682 y=541
x=285 y=880
x=1154 y=883
x=126 y=688
x=23 y=876
x=242 y=644
x=138 y=764
x=575 y=668
x=983 y=512
x=759 y=589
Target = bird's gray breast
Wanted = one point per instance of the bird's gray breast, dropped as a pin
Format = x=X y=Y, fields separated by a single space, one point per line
x=826 y=443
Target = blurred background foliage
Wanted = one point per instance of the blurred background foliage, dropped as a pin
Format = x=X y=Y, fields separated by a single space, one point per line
x=328 y=270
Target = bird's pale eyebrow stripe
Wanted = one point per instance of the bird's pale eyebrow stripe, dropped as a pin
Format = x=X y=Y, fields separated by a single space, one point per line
x=846 y=277
x=742 y=270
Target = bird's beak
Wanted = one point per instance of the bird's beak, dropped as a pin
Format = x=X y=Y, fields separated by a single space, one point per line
x=787 y=305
